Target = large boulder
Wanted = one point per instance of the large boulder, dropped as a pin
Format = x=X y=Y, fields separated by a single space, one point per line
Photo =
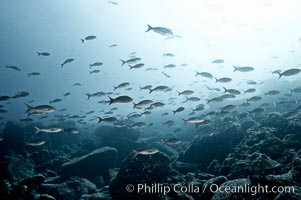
x=140 y=169
x=205 y=149
x=96 y=163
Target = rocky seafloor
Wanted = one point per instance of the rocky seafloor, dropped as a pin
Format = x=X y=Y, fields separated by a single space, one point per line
x=100 y=166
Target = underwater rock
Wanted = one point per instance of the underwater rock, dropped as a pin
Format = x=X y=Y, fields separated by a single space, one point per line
x=13 y=138
x=108 y=134
x=277 y=121
x=248 y=123
x=96 y=163
x=205 y=149
x=233 y=195
x=73 y=188
x=255 y=164
x=16 y=167
x=141 y=169
x=169 y=151
x=101 y=194
x=213 y=167
x=219 y=180
x=124 y=147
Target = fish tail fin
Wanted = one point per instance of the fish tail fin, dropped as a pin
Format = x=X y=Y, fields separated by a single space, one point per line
x=135 y=105
x=111 y=100
x=82 y=40
x=38 y=53
x=216 y=80
x=196 y=73
x=179 y=93
x=62 y=65
x=141 y=88
x=99 y=119
x=149 y=28
x=37 y=130
x=208 y=101
x=130 y=66
x=275 y=104
x=265 y=94
x=150 y=91
x=90 y=72
x=115 y=88
x=122 y=62
x=29 y=108
x=174 y=112
x=185 y=121
x=235 y=69
x=135 y=154
x=278 y=74
x=91 y=66
x=225 y=89
x=89 y=96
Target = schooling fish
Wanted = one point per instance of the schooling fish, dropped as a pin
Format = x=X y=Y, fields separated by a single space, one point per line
x=69 y=60
x=120 y=99
x=172 y=141
x=130 y=61
x=43 y=54
x=289 y=72
x=107 y=119
x=42 y=109
x=90 y=37
x=243 y=68
x=145 y=152
x=186 y=92
x=160 y=30
x=53 y=129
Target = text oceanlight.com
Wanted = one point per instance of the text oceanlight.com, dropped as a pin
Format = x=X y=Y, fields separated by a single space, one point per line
x=214 y=188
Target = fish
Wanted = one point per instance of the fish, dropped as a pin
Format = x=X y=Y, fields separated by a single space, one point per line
x=96 y=94
x=107 y=119
x=4 y=98
x=172 y=141
x=192 y=99
x=232 y=91
x=3 y=111
x=122 y=85
x=193 y=120
x=216 y=99
x=66 y=94
x=186 y=92
x=243 y=68
x=137 y=66
x=223 y=80
x=113 y=45
x=157 y=104
x=94 y=71
x=20 y=94
x=166 y=75
x=254 y=98
x=72 y=130
x=77 y=84
x=137 y=125
x=159 y=88
x=228 y=107
x=43 y=54
x=145 y=152
x=180 y=109
x=250 y=82
x=13 y=67
x=90 y=37
x=113 y=2
x=151 y=69
x=256 y=110
x=42 y=109
x=215 y=89
x=296 y=90
x=147 y=87
x=160 y=30
x=250 y=90
x=130 y=61
x=34 y=74
x=53 y=129
x=244 y=105
x=170 y=66
x=217 y=61
x=69 y=60
x=142 y=103
x=36 y=144
x=120 y=99
x=200 y=108
x=289 y=72
x=96 y=64
x=168 y=55
x=168 y=123
x=55 y=100
x=204 y=74
x=271 y=93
